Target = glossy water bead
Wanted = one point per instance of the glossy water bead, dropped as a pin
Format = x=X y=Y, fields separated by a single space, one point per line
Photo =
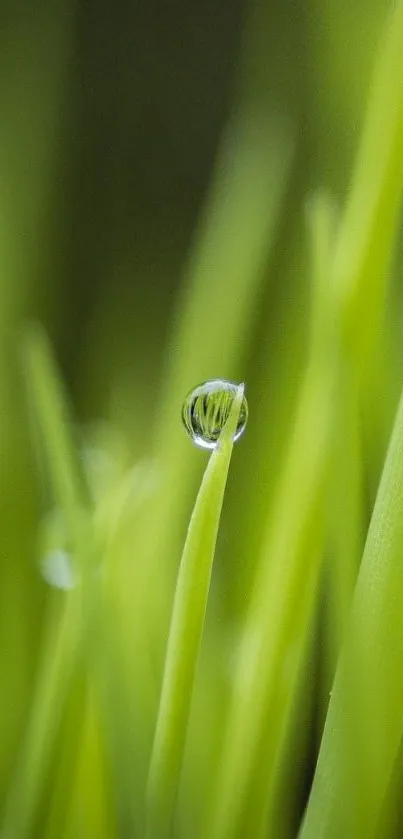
x=206 y=410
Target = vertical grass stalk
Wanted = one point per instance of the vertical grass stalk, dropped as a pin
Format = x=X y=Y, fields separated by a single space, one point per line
x=61 y=639
x=185 y=634
x=286 y=581
x=364 y=725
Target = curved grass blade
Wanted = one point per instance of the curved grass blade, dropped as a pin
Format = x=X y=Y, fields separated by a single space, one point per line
x=357 y=274
x=364 y=724
x=57 y=446
x=286 y=582
x=226 y=273
x=185 y=633
x=224 y=278
x=54 y=677
x=62 y=633
x=368 y=226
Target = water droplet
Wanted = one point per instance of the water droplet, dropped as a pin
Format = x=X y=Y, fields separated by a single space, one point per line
x=206 y=410
x=57 y=570
x=55 y=560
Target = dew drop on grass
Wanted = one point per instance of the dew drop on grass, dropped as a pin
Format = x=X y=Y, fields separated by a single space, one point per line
x=57 y=570
x=206 y=410
x=55 y=560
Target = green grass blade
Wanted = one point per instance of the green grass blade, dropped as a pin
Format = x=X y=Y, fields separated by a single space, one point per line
x=345 y=521
x=56 y=440
x=368 y=226
x=286 y=581
x=223 y=282
x=364 y=725
x=52 y=684
x=62 y=632
x=352 y=759
x=185 y=633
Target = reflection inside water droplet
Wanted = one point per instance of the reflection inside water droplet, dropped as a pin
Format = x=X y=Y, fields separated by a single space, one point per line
x=206 y=410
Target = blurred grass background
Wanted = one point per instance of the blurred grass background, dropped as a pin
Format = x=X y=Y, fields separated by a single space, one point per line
x=159 y=214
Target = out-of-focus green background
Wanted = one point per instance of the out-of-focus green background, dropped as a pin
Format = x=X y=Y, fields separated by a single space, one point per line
x=119 y=126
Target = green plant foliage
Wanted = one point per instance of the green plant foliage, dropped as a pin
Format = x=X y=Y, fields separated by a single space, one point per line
x=189 y=650
x=186 y=630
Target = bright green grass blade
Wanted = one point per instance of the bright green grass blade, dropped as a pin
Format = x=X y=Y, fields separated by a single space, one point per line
x=361 y=257
x=360 y=271
x=368 y=227
x=61 y=632
x=213 y=324
x=224 y=278
x=56 y=441
x=52 y=684
x=364 y=725
x=286 y=581
x=64 y=769
x=186 y=632
x=281 y=814
x=390 y=820
x=69 y=484
x=86 y=816
x=215 y=318
x=345 y=520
